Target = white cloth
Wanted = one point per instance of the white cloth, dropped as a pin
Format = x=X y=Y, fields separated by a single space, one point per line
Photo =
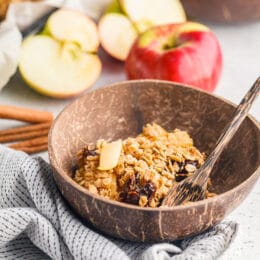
x=10 y=40
x=36 y=223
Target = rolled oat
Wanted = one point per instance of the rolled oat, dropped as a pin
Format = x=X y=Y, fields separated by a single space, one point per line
x=147 y=167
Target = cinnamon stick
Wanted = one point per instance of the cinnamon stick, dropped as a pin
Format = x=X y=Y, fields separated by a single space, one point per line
x=23 y=136
x=24 y=114
x=31 y=142
x=27 y=128
x=33 y=149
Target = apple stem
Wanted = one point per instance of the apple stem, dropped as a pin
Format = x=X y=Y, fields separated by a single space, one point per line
x=171 y=43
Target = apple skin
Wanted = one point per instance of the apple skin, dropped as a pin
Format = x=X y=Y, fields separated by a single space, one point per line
x=187 y=53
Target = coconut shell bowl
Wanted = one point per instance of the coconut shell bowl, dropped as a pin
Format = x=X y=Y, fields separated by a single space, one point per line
x=120 y=111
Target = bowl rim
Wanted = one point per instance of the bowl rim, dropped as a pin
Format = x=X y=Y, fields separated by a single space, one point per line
x=75 y=185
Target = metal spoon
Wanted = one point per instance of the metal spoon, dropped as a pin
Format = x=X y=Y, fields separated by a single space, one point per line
x=193 y=188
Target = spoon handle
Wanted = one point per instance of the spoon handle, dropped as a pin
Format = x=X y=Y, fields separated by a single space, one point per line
x=230 y=129
x=193 y=187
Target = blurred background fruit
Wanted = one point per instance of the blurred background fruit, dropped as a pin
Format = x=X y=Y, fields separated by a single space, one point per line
x=125 y=19
x=187 y=52
x=226 y=11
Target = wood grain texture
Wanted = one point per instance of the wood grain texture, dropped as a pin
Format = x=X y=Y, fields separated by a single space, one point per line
x=120 y=111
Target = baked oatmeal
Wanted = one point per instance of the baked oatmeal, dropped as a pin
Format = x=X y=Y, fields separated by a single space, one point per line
x=138 y=170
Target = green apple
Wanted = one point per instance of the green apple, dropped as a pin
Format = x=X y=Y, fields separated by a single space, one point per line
x=124 y=20
x=62 y=62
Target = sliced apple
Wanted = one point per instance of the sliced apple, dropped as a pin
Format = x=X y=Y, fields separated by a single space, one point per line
x=57 y=69
x=125 y=19
x=73 y=26
x=147 y=13
x=109 y=155
x=61 y=61
x=117 y=35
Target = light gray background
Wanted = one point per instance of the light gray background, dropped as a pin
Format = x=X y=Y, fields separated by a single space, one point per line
x=241 y=51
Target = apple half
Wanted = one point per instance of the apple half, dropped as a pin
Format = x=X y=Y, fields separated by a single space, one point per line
x=124 y=20
x=62 y=62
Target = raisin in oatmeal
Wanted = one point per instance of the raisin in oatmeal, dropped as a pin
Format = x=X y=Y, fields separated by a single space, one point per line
x=146 y=167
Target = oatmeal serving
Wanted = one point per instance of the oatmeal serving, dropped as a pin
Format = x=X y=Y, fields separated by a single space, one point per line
x=138 y=170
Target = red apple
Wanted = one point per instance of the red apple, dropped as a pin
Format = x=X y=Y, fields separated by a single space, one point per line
x=187 y=52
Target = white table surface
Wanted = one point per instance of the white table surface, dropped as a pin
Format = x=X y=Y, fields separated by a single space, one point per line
x=241 y=51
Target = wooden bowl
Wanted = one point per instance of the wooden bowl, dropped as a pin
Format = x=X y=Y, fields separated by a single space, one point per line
x=120 y=111
x=225 y=11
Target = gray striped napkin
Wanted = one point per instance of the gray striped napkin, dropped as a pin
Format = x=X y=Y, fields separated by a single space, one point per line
x=35 y=223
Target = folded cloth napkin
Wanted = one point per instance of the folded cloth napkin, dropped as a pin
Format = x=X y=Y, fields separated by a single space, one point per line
x=36 y=223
